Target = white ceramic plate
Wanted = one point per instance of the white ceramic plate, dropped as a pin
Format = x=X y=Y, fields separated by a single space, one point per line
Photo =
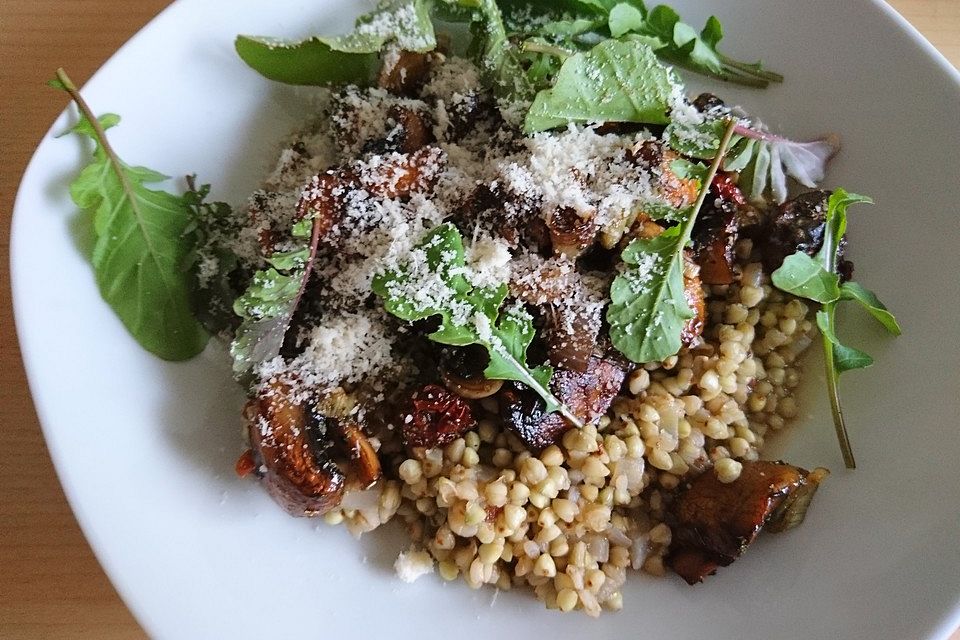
x=145 y=449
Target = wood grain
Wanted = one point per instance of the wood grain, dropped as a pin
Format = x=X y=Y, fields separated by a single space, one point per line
x=50 y=584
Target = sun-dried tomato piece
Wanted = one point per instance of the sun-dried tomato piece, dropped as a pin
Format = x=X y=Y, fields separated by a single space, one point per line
x=245 y=464
x=436 y=417
x=725 y=188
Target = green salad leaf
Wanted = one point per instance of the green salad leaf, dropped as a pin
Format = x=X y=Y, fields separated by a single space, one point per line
x=807 y=278
x=613 y=82
x=648 y=307
x=432 y=284
x=815 y=278
x=142 y=245
x=350 y=58
x=306 y=62
x=270 y=300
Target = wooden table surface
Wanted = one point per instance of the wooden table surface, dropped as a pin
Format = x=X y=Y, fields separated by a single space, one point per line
x=50 y=584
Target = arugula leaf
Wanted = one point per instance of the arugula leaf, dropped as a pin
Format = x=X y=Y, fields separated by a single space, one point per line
x=307 y=62
x=349 y=58
x=648 y=306
x=407 y=22
x=432 y=284
x=626 y=17
x=698 y=52
x=807 y=278
x=613 y=82
x=815 y=278
x=270 y=300
x=869 y=301
x=141 y=246
x=844 y=358
x=499 y=59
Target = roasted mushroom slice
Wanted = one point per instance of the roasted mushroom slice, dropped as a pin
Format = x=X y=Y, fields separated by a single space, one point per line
x=714 y=522
x=798 y=225
x=295 y=468
x=716 y=231
x=569 y=303
x=402 y=175
x=462 y=371
x=403 y=72
x=570 y=231
x=334 y=415
x=364 y=469
x=652 y=155
x=587 y=394
x=693 y=292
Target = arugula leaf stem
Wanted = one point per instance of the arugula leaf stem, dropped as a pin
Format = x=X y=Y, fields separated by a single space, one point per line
x=101 y=135
x=315 y=234
x=833 y=387
x=770 y=76
x=708 y=179
x=531 y=46
x=846 y=449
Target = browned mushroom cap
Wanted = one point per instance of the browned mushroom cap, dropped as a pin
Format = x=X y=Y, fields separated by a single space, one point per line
x=335 y=415
x=412 y=129
x=462 y=371
x=403 y=73
x=587 y=394
x=570 y=231
x=715 y=522
x=364 y=469
x=402 y=175
x=474 y=388
x=653 y=155
x=296 y=471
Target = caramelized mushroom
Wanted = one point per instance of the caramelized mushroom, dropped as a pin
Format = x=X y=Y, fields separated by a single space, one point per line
x=717 y=229
x=798 y=225
x=412 y=129
x=570 y=232
x=693 y=292
x=404 y=71
x=334 y=414
x=715 y=522
x=462 y=371
x=295 y=469
x=365 y=468
x=402 y=175
x=474 y=388
x=587 y=394
x=652 y=154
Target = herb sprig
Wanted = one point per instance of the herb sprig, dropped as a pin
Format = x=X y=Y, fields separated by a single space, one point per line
x=142 y=241
x=815 y=278
x=468 y=315
x=580 y=24
x=648 y=307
